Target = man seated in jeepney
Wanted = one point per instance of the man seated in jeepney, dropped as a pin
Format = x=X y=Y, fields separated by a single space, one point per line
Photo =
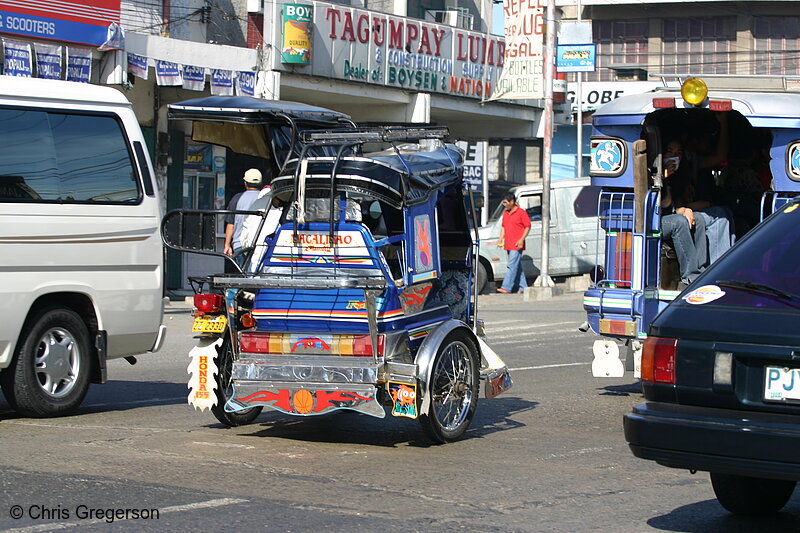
x=678 y=222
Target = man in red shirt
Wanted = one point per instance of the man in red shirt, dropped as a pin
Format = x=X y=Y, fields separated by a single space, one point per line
x=516 y=225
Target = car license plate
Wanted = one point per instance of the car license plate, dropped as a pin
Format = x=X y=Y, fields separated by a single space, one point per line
x=209 y=324
x=781 y=383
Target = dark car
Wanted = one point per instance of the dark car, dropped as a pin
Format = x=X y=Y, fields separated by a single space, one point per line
x=721 y=373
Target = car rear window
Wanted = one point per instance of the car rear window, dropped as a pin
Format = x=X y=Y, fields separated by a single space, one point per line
x=764 y=269
x=48 y=156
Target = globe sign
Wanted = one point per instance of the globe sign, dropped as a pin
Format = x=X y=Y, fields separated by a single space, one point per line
x=796 y=159
x=607 y=156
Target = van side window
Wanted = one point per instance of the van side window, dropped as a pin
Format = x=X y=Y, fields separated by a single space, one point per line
x=50 y=156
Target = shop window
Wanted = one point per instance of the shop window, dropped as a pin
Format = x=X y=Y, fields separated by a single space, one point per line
x=776 y=41
x=621 y=46
x=698 y=45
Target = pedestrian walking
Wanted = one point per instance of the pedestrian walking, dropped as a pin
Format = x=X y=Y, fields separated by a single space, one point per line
x=233 y=223
x=515 y=228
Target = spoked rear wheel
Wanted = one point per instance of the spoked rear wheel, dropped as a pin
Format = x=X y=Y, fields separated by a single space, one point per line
x=453 y=389
x=224 y=362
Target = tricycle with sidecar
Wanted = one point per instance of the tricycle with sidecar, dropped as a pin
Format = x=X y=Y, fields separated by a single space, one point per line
x=361 y=297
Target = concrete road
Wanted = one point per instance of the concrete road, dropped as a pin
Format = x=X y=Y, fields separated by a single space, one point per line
x=549 y=455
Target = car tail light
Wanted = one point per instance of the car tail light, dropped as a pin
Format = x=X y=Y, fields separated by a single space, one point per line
x=658 y=360
x=623 y=257
x=257 y=343
x=208 y=303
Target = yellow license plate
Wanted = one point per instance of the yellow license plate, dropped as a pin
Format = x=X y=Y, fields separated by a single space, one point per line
x=209 y=324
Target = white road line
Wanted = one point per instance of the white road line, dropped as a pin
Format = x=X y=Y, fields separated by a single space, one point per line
x=174 y=509
x=523 y=340
x=540 y=367
x=139 y=402
x=531 y=326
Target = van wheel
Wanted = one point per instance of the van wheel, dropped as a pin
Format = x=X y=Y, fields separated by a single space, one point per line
x=224 y=362
x=482 y=278
x=49 y=375
x=751 y=496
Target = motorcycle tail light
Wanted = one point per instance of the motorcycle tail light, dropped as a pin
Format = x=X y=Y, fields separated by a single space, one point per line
x=658 y=360
x=208 y=303
x=361 y=345
x=254 y=342
x=247 y=320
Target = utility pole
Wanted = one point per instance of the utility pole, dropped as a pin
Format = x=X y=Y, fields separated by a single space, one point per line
x=544 y=280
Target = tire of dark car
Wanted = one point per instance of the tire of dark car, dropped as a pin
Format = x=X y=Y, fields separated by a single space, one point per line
x=751 y=496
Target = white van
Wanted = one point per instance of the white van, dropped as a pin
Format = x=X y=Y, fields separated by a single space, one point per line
x=81 y=268
x=573 y=232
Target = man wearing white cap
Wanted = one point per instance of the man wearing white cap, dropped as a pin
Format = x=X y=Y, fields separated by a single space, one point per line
x=241 y=202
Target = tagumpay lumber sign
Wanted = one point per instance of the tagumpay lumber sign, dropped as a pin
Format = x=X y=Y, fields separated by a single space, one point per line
x=376 y=48
x=76 y=21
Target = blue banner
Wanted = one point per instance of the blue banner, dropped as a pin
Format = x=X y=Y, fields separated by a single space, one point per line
x=194 y=78
x=221 y=82
x=137 y=65
x=246 y=84
x=48 y=61
x=79 y=64
x=17 y=61
x=168 y=73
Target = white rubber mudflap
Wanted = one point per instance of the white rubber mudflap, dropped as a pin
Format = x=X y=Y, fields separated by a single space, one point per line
x=606 y=362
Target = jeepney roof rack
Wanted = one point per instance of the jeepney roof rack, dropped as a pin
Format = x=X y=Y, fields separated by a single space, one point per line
x=376 y=134
x=735 y=82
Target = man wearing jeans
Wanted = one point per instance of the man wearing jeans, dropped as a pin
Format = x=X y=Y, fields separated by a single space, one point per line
x=515 y=228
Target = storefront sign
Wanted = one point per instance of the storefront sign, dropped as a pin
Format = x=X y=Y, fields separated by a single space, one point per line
x=77 y=21
x=298 y=20
x=595 y=94
x=198 y=157
x=523 y=76
x=17 y=60
x=376 y=48
x=575 y=58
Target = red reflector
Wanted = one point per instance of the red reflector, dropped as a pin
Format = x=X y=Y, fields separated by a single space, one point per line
x=658 y=360
x=208 y=303
x=663 y=103
x=720 y=105
x=254 y=342
x=362 y=345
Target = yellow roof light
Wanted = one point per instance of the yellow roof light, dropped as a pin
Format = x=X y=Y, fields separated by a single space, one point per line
x=694 y=91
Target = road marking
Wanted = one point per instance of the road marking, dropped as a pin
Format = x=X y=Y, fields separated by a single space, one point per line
x=174 y=509
x=531 y=326
x=224 y=445
x=138 y=402
x=540 y=367
x=508 y=340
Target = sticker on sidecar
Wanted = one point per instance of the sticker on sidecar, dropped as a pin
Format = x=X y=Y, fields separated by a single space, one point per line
x=704 y=295
x=404 y=399
x=315 y=247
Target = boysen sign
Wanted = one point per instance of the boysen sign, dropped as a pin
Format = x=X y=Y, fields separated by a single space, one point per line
x=77 y=21
x=376 y=48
